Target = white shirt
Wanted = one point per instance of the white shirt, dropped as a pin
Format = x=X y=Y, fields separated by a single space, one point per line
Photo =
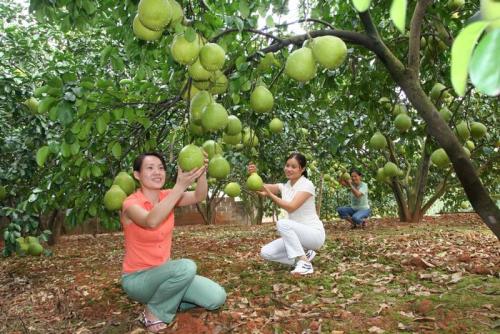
x=306 y=213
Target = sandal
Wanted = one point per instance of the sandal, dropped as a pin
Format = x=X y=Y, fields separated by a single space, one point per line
x=150 y=323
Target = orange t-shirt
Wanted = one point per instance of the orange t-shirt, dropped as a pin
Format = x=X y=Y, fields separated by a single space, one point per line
x=145 y=247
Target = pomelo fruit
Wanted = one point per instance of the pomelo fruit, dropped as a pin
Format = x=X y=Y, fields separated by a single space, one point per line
x=467 y=152
x=378 y=141
x=380 y=174
x=214 y=117
x=445 y=114
x=154 y=14
x=177 y=14
x=190 y=157
x=462 y=130
x=440 y=158
x=141 y=32
x=464 y=205
x=250 y=138
x=31 y=240
x=218 y=167
x=477 y=130
x=23 y=248
x=470 y=145
x=198 y=103
x=345 y=176
x=232 y=189
x=185 y=52
x=32 y=104
x=218 y=83
x=261 y=100
x=212 y=56
x=125 y=181
x=234 y=126
x=438 y=90
x=198 y=72
x=402 y=122
x=385 y=102
x=114 y=197
x=212 y=148
x=329 y=51
x=35 y=249
x=232 y=140
x=390 y=169
x=300 y=65
x=399 y=109
x=276 y=125
x=254 y=182
x=196 y=130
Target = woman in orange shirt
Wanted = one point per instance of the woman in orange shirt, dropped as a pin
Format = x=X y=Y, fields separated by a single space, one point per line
x=149 y=275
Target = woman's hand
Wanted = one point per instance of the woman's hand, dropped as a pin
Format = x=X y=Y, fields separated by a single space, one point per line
x=185 y=179
x=265 y=192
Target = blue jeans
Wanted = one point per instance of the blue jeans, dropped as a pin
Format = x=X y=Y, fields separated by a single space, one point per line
x=357 y=215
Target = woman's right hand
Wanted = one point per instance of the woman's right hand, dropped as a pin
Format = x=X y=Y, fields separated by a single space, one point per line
x=251 y=168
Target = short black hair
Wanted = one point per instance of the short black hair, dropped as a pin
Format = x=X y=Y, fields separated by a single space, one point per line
x=355 y=170
x=138 y=161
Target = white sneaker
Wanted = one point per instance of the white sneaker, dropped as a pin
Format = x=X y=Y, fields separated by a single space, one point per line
x=302 y=268
x=310 y=254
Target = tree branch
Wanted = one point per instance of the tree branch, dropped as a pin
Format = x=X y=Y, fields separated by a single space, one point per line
x=415 y=32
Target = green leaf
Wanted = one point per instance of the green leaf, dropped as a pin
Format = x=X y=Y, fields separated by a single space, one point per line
x=101 y=124
x=244 y=9
x=64 y=112
x=96 y=171
x=361 y=5
x=398 y=14
x=65 y=150
x=116 y=149
x=75 y=148
x=484 y=67
x=41 y=155
x=270 y=21
x=461 y=52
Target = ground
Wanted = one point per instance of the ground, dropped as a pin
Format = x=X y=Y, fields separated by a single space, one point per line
x=438 y=276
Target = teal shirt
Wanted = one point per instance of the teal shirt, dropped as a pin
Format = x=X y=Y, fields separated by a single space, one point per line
x=358 y=203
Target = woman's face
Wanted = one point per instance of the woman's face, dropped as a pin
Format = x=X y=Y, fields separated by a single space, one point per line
x=152 y=174
x=292 y=169
x=356 y=178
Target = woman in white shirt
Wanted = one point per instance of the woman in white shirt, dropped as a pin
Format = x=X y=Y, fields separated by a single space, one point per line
x=301 y=231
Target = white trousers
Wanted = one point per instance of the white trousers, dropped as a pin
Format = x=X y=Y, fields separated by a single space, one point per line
x=295 y=238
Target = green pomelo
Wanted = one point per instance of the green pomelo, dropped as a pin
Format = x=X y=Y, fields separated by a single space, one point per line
x=232 y=189
x=218 y=83
x=463 y=131
x=31 y=240
x=141 y=32
x=378 y=141
x=345 y=176
x=218 y=167
x=254 y=182
x=234 y=126
x=478 y=130
x=261 y=100
x=440 y=158
x=114 y=197
x=276 y=125
x=380 y=174
x=214 y=117
x=300 y=65
x=3 y=193
x=327 y=177
x=198 y=72
x=445 y=114
x=125 y=181
x=20 y=240
x=399 y=109
x=32 y=104
x=250 y=138
x=385 y=102
x=212 y=148
x=185 y=52
x=212 y=56
x=390 y=169
x=267 y=62
x=470 y=145
x=190 y=157
x=464 y=205
x=329 y=51
x=24 y=247
x=467 y=152
x=177 y=14
x=201 y=85
x=35 y=249
x=438 y=90
x=198 y=103
x=196 y=130
x=402 y=122
x=232 y=140
x=154 y=14
x=39 y=91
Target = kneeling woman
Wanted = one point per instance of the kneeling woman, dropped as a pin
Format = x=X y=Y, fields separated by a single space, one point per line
x=302 y=231
x=149 y=275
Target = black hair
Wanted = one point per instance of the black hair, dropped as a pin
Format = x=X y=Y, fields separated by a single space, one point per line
x=138 y=161
x=301 y=159
x=355 y=170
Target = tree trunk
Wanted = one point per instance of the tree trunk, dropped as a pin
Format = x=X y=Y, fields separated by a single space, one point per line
x=55 y=226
